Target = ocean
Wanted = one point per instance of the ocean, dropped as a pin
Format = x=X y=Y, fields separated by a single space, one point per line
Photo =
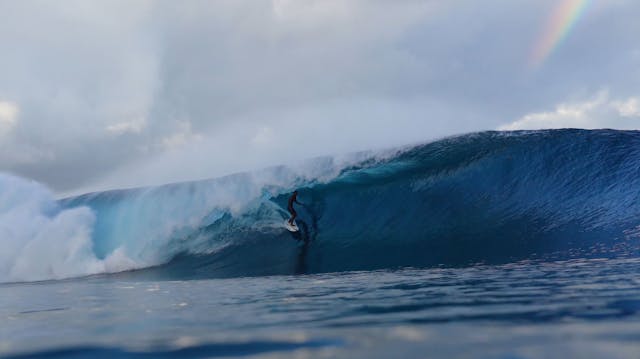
x=487 y=245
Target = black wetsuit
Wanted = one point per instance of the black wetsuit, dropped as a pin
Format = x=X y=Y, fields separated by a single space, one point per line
x=293 y=212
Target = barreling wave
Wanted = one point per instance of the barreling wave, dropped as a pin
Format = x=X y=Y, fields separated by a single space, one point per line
x=489 y=197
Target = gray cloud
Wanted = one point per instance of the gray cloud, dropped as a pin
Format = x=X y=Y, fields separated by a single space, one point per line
x=125 y=93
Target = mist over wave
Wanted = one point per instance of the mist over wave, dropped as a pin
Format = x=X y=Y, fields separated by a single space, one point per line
x=485 y=197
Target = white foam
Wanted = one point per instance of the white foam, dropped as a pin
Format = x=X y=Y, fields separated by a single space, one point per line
x=38 y=239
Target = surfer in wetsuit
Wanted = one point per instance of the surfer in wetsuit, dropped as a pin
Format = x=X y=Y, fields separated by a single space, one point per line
x=292 y=199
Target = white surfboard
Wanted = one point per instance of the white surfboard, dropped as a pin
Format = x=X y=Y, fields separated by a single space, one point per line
x=291 y=228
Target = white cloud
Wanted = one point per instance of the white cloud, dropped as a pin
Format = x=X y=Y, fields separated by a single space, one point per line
x=294 y=10
x=181 y=137
x=11 y=149
x=8 y=117
x=628 y=108
x=263 y=137
x=135 y=125
x=599 y=112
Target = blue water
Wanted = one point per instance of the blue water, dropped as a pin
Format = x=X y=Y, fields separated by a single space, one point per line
x=490 y=245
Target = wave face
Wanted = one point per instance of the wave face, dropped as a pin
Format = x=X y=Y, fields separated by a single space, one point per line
x=490 y=197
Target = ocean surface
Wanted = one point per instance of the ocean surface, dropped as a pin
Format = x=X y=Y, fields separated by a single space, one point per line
x=488 y=245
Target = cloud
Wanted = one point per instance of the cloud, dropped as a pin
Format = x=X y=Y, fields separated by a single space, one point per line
x=182 y=136
x=8 y=112
x=309 y=11
x=598 y=112
x=8 y=117
x=628 y=108
x=264 y=137
x=12 y=151
x=135 y=125
x=134 y=92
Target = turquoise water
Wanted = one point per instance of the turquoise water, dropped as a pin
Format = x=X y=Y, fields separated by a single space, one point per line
x=588 y=308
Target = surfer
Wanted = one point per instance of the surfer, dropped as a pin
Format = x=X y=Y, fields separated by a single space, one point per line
x=294 y=214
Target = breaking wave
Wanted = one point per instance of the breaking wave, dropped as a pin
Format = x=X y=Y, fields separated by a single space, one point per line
x=489 y=197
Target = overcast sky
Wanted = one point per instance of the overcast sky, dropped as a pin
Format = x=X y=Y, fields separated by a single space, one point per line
x=108 y=94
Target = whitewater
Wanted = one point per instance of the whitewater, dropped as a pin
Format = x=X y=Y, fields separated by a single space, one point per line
x=485 y=197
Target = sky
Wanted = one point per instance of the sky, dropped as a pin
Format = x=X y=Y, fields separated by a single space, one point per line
x=110 y=94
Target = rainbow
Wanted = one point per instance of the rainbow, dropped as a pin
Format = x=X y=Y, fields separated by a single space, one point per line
x=558 y=26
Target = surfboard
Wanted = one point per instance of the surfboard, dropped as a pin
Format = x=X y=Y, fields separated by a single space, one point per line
x=291 y=228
